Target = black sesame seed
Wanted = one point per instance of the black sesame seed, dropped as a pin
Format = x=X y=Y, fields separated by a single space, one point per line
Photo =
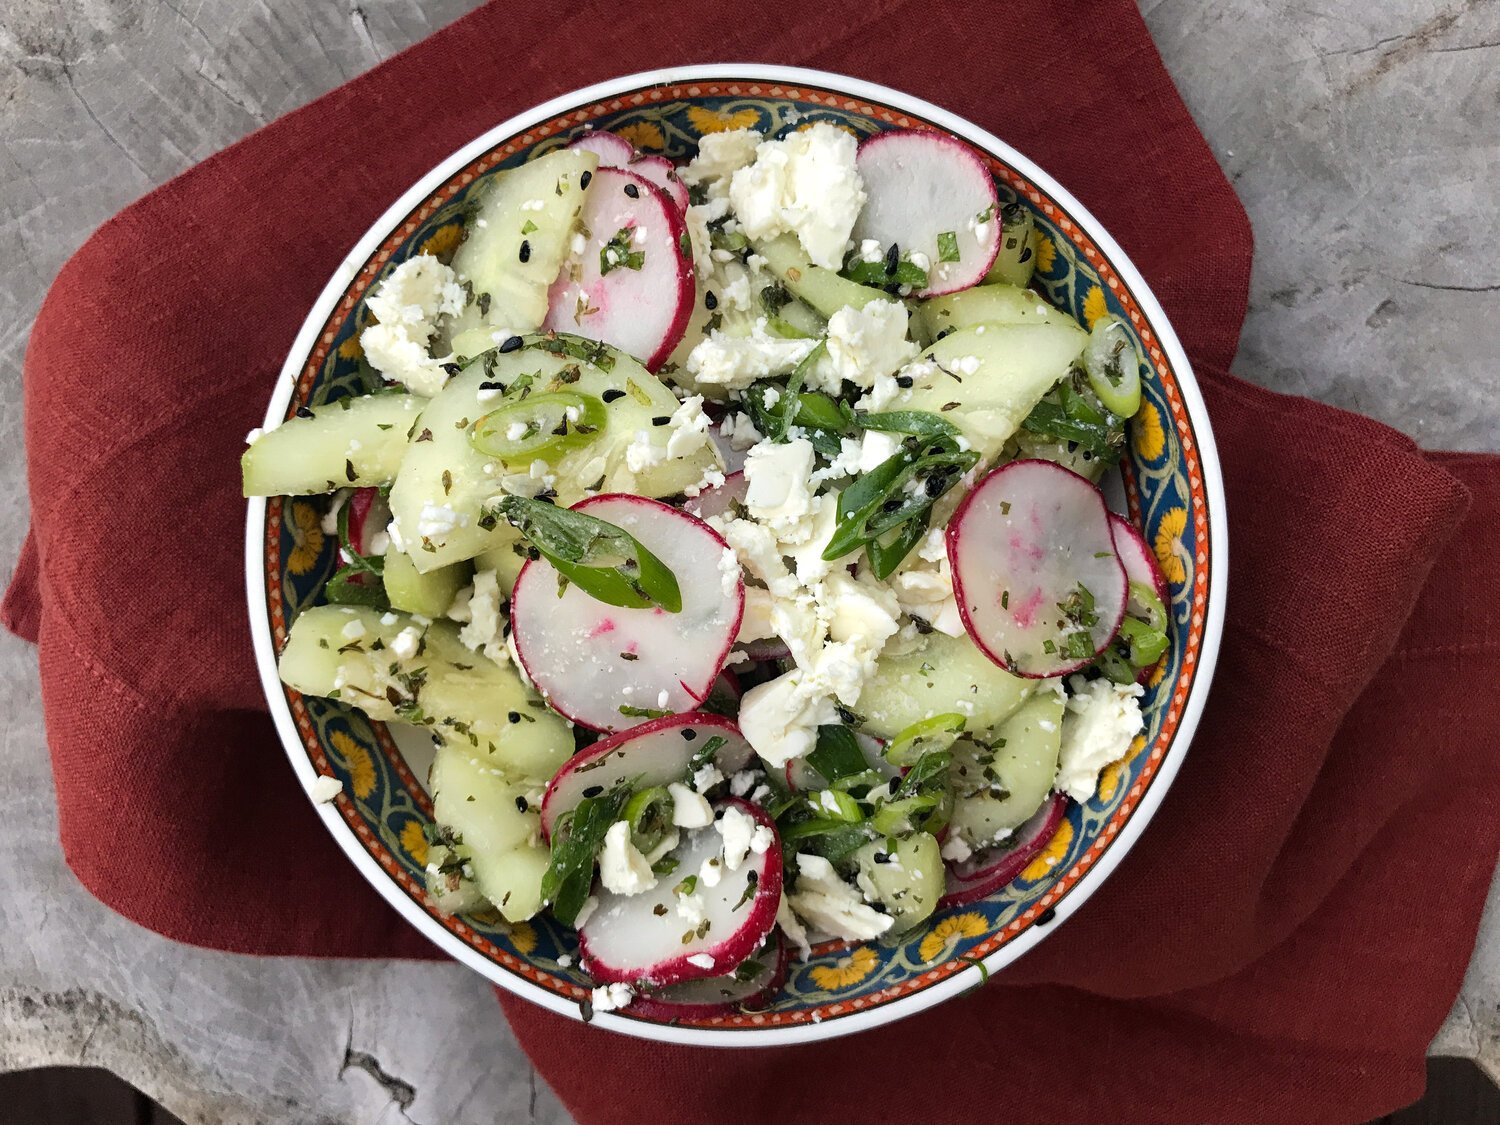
x=612 y=394
x=710 y=302
x=892 y=258
x=512 y=343
x=881 y=857
x=1046 y=916
x=688 y=734
x=451 y=368
x=304 y=412
x=632 y=191
x=525 y=250
x=521 y=805
x=661 y=419
x=593 y=791
x=585 y=179
x=904 y=381
x=514 y=716
x=492 y=385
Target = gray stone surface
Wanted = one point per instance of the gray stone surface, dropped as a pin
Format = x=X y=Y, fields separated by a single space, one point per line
x=1360 y=133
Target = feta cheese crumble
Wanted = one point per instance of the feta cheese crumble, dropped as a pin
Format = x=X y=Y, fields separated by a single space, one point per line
x=807 y=184
x=825 y=902
x=622 y=868
x=1101 y=720
x=325 y=788
x=611 y=997
x=406 y=305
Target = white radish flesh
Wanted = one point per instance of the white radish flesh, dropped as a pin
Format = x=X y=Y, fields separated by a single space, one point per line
x=661 y=172
x=656 y=938
x=1035 y=573
x=612 y=151
x=631 y=284
x=718 y=500
x=985 y=872
x=929 y=193
x=591 y=659
x=657 y=752
x=717 y=996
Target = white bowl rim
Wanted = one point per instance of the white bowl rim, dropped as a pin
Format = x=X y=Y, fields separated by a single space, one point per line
x=1213 y=485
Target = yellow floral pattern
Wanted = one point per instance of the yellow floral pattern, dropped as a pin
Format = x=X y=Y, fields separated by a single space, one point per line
x=351 y=348
x=443 y=241
x=717 y=121
x=948 y=931
x=1046 y=253
x=358 y=762
x=1050 y=856
x=1168 y=544
x=644 y=135
x=1109 y=780
x=414 y=841
x=1094 y=305
x=523 y=937
x=1146 y=433
x=307 y=537
x=846 y=970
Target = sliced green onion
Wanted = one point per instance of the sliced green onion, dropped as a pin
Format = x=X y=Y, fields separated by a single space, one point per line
x=540 y=427
x=1114 y=366
x=936 y=733
x=649 y=813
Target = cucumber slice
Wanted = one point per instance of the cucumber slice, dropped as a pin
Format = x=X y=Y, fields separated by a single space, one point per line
x=464 y=699
x=1016 y=260
x=445 y=483
x=824 y=290
x=943 y=675
x=515 y=244
x=1025 y=763
x=907 y=879
x=984 y=304
x=989 y=380
x=356 y=442
x=489 y=828
x=411 y=591
x=506 y=561
x=447 y=887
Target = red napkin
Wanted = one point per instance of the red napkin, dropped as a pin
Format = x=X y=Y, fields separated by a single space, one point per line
x=1281 y=944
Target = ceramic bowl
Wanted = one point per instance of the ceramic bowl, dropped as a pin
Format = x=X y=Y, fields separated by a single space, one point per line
x=1172 y=487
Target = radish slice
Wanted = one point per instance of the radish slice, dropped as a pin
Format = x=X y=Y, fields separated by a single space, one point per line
x=765 y=649
x=658 y=752
x=591 y=659
x=647 y=938
x=1030 y=547
x=985 y=872
x=718 y=996
x=1137 y=558
x=724 y=697
x=871 y=748
x=924 y=187
x=663 y=173
x=643 y=308
x=613 y=151
x=369 y=514
x=716 y=501
x=802 y=778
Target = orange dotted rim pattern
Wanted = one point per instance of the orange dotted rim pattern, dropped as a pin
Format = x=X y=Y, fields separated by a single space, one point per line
x=1182 y=424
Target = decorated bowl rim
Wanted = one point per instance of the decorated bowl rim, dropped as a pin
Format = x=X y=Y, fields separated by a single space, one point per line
x=1212 y=482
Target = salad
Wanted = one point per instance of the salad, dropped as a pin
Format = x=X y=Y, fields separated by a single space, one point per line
x=734 y=531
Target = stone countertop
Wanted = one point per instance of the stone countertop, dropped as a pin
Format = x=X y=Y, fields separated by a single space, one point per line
x=1361 y=136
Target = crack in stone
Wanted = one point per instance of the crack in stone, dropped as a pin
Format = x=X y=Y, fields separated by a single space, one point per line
x=67 y=73
x=1450 y=288
x=401 y=1092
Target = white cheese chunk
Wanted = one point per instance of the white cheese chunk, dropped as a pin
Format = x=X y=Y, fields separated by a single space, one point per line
x=827 y=903
x=622 y=868
x=1101 y=720
x=805 y=183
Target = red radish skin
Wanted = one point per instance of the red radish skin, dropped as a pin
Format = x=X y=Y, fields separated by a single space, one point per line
x=716 y=501
x=1137 y=558
x=641 y=311
x=984 y=873
x=613 y=151
x=663 y=173
x=368 y=516
x=625 y=941
x=802 y=778
x=1019 y=545
x=717 y=996
x=589 y=659
x=657 y=752
x=920 y=184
